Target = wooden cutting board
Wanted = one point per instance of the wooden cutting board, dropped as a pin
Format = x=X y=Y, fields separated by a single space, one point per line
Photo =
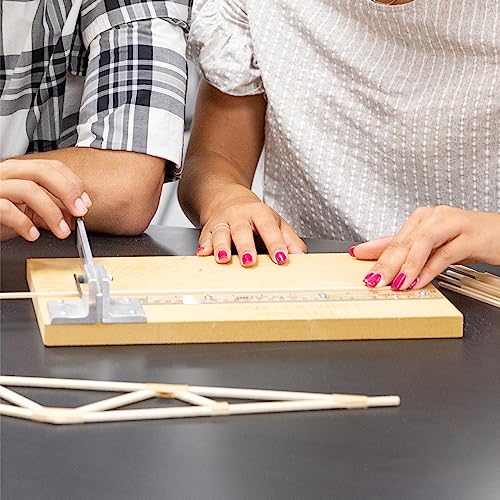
x=314 y=297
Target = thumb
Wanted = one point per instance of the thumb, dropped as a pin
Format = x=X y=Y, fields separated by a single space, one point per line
x=372 y=250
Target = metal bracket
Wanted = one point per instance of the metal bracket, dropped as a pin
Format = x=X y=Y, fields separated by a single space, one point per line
x=96 y=305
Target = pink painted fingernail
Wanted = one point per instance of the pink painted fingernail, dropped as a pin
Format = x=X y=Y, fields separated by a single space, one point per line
x=280 y=257
x=415 y=282
x=367 y=277
x=246 y=258
x=351 y=251
x=221 y=255
x=374 y=280
x=398 y=281
x=199 y=249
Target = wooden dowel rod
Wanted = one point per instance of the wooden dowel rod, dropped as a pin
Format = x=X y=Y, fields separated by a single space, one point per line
x=166 y=292
x=265 y=395
x=118 y=401
x=34 y=295
x=233 y=409
x=194 y=399
x=60 y=383
x=17 y=399
x=482 y=276
x=469 y=293
x=457 y=278
x=15 y=411
x=472 y=289
x=215 y=392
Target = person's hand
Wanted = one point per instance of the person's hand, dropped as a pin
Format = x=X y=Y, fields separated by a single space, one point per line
x=39 y=193
x=429 y=241
x=238 y=216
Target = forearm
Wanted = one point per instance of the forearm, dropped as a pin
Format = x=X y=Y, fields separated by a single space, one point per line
x=124 y=187
x=226 y=143
x=208 y=177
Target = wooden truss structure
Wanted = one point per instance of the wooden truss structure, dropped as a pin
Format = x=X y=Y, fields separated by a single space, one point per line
x=202 y=401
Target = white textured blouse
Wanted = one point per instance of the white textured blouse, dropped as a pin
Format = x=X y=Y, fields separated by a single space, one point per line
x=373 y=110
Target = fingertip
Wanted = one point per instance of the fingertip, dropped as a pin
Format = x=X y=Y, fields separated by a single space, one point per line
x=33 y=233
x=280 y=257
x=247 y=259
x=351 y=251
x=80 y=208
x=204 y=249
x=86 y=199
x=222 y=256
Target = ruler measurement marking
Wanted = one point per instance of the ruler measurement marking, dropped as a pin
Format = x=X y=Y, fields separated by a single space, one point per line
x=273 y=297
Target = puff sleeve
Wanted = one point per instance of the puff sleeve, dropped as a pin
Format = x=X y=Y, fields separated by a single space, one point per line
x=220 y=43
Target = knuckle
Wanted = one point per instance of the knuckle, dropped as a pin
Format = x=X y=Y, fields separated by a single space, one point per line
x=427 y=236
x=443 y=254
x=268 y=227
x=5 y=205
x=442 y=211
x=411 y=264
x=32 y=188
x=57 y=164
x=239 y=229
x=397 y=244
x=421 y=211
x=387 y=267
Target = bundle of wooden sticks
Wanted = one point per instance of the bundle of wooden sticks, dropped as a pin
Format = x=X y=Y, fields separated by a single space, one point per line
x=481 y=286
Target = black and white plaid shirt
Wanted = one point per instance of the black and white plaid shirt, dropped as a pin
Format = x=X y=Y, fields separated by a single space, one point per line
x=108 y=74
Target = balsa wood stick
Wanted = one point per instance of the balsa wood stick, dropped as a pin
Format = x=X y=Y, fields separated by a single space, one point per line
x=118 y=401
x=17 y=399
x=80 y=384
x=16 y=411
x=214 y=392
x=492 y=279
x=165 y=292
x=469 y=292
x=228 y=409
x=35 y=295
x=194 y=399
x=483 y=286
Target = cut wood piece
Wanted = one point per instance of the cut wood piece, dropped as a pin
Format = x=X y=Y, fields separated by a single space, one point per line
x=263 y=303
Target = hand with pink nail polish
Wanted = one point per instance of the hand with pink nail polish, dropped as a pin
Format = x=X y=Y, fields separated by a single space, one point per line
x=39 y=193
x=236 y=217
x=431 y=240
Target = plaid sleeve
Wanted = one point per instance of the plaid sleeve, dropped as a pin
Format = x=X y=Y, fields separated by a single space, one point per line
x=135 y=86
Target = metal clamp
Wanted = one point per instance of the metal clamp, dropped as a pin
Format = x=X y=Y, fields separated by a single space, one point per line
x=96 y=305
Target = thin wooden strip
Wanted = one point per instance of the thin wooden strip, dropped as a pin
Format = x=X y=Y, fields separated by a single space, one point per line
x=473 y=283
x=470 y=293
x=482 y=276
x=17 y=399
x=118 y=401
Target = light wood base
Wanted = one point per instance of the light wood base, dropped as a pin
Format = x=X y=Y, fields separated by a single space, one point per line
x=243 y=322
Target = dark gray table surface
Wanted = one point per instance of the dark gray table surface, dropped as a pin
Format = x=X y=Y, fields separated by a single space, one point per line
x=442 y=443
